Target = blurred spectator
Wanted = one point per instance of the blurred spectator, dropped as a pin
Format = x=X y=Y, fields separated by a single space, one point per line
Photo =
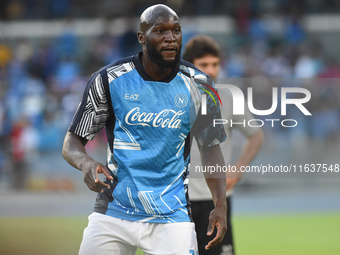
x=32 y=99
x=69 y=102
x=331 y=69
x=59 y=8
x=23 y=50
x=45 y=58
x=242 y=16
x=294 y=33
x=24 y=140
x=274 y=25
x=307 y=65
x=66 y=74
x=18 y=155
x=2 y=118
x=257 y=28
x=50 y=132
x=236 y=63
x=104 y=50
x=15 y=10
x=276 y=65
x=5 y=55
x=128 y=42
x=67 y=43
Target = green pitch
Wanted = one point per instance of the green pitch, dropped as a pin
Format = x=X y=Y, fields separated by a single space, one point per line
x=303 y=234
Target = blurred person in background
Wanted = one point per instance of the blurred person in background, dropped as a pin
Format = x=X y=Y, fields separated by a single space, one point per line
x=205 y=54
x=18 y=155
x=3 y=136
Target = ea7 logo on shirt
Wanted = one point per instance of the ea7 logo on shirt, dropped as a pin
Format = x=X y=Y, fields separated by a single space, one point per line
x=166 y=118
x=181 y=100
x=131 y=96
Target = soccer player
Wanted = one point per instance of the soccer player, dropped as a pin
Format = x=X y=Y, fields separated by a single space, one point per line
x=149 y=105
x=205 y=54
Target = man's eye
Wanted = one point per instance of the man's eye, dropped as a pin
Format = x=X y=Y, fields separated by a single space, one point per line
x=159 y=31
x=177 y=31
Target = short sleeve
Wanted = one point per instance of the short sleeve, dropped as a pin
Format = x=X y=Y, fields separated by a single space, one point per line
x=93 y=111
x=205 y=130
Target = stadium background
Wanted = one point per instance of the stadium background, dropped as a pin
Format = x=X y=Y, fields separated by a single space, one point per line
x=48 y=50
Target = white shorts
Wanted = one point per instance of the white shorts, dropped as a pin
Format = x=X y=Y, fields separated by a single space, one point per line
x=107 y=235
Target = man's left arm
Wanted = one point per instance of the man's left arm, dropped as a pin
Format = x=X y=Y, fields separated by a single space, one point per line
x=212 y=156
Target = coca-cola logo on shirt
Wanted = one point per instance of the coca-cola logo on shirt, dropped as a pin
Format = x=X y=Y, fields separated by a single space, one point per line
x=165 y=119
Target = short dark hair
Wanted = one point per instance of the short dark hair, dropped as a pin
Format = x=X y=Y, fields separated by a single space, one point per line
x=200 y=46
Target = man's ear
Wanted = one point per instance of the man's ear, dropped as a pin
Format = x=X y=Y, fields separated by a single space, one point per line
x=141 y=37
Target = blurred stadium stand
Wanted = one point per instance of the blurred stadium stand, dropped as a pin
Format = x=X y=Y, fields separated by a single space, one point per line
x=49 y=48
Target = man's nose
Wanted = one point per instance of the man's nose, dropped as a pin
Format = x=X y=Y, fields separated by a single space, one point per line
x=169 y=36
x=209 y=70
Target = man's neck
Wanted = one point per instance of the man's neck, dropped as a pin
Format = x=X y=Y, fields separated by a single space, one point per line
x=156 y=72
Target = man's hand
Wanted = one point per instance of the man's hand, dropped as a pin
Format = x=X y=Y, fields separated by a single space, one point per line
x=75 y=154
x=217 y=219
x=90 y=173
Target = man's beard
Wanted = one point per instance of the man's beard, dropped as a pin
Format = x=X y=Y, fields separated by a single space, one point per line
x=158 y=59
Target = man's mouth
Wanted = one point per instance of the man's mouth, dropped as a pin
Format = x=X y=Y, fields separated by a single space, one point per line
x=170 y=50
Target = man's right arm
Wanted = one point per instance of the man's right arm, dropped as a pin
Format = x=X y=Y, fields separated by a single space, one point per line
x=75 y=154
x=250 y=150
